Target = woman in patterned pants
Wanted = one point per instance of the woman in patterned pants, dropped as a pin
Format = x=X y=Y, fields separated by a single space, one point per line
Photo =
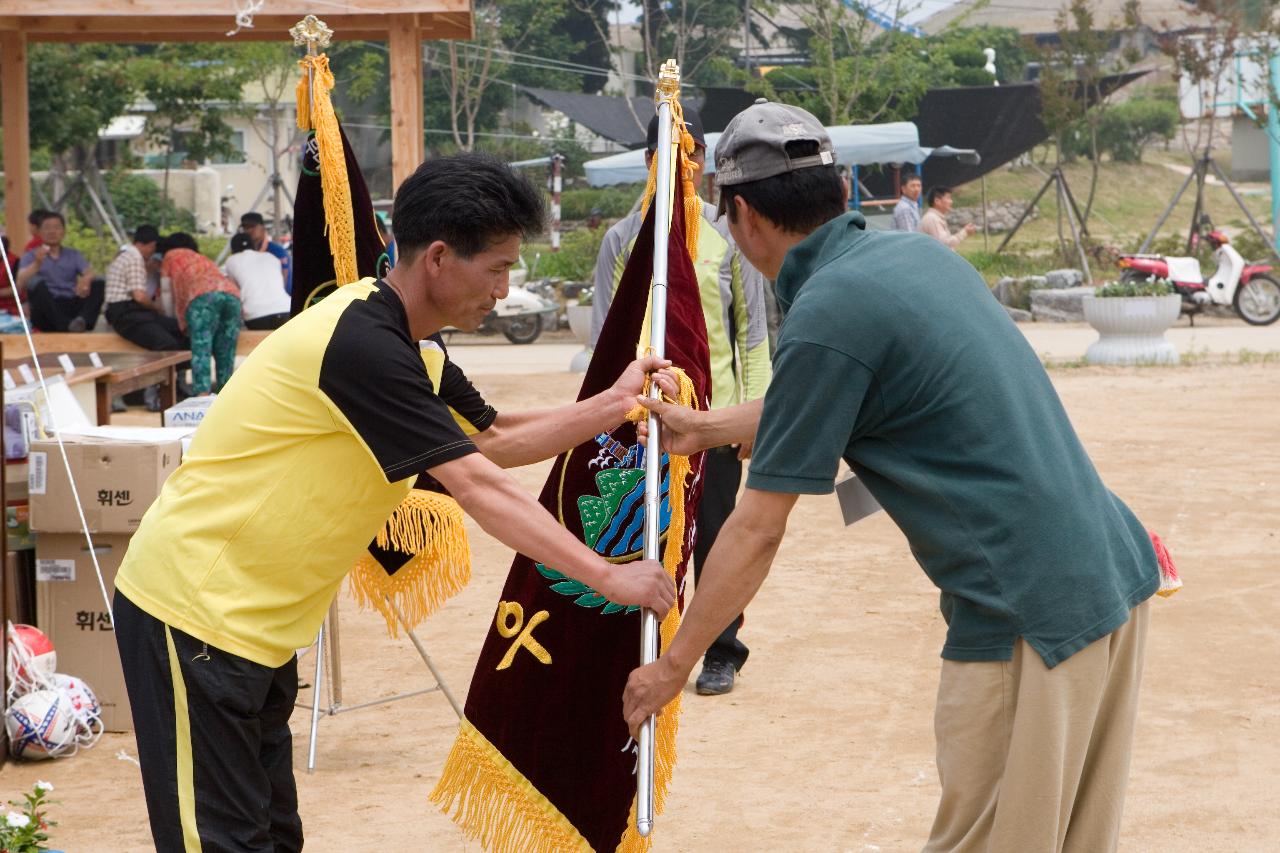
x=208 y=307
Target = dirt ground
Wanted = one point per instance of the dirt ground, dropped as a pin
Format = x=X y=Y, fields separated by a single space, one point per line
x=827 y=742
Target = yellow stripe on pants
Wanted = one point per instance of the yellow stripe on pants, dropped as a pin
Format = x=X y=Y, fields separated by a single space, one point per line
x=182 y=732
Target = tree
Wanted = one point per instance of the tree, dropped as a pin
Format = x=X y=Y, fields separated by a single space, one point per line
x=192 y=88
x=693 y=32
x=1073 y=102
x=860 y=72
x=65 y=118
x=271 y=70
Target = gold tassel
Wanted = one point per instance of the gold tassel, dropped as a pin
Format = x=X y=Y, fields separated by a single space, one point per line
x=428 y=525
x=493 y=803
x=315 y=112
x=668 y=723
x=692 y=203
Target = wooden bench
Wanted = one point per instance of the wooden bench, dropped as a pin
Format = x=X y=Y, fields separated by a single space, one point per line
x=103 y=342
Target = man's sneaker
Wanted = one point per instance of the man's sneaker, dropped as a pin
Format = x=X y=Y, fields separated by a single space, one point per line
x=716 y=677
x=77 y=325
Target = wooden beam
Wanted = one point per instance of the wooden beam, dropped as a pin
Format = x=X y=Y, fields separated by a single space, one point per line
x=451 y=24
x=407 y=148
x=222 y=14
x=17 y=137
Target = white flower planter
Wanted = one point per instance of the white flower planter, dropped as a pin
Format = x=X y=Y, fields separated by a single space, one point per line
x=580 y=325
x=580 y=321
x=1131 y=329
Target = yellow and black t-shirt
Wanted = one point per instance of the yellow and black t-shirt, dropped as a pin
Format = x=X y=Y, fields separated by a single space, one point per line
x=299 y=462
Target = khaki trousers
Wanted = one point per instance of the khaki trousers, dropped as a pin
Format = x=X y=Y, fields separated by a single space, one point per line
x=1036 y=760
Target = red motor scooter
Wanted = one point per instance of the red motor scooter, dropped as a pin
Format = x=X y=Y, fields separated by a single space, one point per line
x=1250 y=289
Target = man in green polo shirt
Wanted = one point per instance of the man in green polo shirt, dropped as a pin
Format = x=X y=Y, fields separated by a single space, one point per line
x=893 y=356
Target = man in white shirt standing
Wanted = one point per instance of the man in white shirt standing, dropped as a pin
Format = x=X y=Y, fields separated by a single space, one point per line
x=257 y=273
x=934 y=222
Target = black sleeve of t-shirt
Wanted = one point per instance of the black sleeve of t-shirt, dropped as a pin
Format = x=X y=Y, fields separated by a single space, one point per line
x=373 y=374
x=462 y=396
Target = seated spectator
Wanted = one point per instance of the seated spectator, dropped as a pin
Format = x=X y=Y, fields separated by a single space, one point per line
x=7 y=303
x=133 y=307
x=33 y=223
x=257 y=274
x=255 y=226
x=934 y=221
x=208 y=307
x=59 y=282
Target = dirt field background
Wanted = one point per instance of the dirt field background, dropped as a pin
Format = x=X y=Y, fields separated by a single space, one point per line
x=827 y=742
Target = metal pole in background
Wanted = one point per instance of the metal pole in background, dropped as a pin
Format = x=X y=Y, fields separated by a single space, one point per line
x=668 y=91
x=557 y=183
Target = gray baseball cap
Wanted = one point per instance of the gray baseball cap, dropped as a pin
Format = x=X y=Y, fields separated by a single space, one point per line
x=754 y=145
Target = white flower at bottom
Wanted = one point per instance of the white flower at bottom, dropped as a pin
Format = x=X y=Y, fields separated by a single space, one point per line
x=17 y=821
x=44 y=786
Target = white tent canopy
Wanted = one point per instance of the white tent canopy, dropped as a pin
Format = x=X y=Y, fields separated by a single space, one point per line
x=855 y=145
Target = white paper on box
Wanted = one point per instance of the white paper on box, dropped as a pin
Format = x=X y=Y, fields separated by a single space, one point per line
x=55 y=570
x=25 y=372
x=95 y=359
x=67 y=365
x=9 y=383
x=37 y=472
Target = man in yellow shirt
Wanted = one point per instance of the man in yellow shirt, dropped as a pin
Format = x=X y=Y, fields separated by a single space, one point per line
x=297 y=465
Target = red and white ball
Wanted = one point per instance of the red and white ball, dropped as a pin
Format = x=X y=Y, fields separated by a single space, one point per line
x=31 y=657
x=84 y=704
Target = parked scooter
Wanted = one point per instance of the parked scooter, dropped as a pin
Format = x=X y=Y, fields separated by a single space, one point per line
x=521 y=315
x=1250 y=289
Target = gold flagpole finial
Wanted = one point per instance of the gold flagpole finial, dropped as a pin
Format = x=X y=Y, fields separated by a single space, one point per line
x=312 y=33
x=668 y=87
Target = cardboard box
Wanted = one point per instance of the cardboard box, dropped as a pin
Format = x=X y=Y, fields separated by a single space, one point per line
x=189 y=413
x=117 y=481
x=70 y=609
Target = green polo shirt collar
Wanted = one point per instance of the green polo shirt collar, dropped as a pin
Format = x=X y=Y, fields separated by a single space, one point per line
x=804 y=259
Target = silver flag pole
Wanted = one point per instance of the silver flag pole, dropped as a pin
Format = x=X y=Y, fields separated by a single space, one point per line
x=667 y=91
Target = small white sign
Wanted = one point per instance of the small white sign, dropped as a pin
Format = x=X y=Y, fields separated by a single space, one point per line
x=95 y=359
x=8 y=381
x=68 y=366
x=37 y=472
x=25 y=372
x=55 y=570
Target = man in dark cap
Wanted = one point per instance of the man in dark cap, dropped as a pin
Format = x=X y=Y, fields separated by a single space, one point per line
x=733 y=304
x=255 y=227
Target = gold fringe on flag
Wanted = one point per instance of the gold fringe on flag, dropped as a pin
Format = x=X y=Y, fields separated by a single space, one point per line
x=493 y=803
x=315 y=112
x=428 y=525
x=692 y=203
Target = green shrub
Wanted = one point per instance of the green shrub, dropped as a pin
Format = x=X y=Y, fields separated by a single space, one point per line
x=140 y=201
x=1146 y=287
x=614 y=202
x=1127 y=128
x=576 y=260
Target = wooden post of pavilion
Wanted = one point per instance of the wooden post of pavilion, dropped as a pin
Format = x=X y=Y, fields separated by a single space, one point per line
x=17 y=143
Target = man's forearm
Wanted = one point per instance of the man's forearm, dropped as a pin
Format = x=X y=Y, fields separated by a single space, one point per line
x=736 y=567
x=527 y=437
x=730 y=425
x=26 y=274
x=511 y=515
